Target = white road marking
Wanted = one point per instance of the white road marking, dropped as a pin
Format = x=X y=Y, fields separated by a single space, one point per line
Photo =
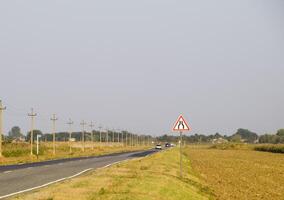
x=6 y=172
x=62 y=179
x=46 y=184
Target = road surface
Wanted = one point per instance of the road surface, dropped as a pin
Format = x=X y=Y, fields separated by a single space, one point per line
x=16 y=179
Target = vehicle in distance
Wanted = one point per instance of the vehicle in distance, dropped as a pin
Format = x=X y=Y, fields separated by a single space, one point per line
x=167 y=145
x=158 y=146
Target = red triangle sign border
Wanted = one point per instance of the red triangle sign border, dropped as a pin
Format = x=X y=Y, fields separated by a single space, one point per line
x=181 y=118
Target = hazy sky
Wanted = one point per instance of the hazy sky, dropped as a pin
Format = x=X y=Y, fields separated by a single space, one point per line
x=137 y=65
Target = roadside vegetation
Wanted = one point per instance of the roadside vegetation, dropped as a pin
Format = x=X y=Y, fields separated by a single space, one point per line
x=155 y=177
x=273 y=148
x=235 y=172
x=231 y=146
x=17 y=153
x=270 y=148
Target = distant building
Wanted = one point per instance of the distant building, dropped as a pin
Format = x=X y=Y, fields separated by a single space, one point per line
x=19 y=140
x=219 y=141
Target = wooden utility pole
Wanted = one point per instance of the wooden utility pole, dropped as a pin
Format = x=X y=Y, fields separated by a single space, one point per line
x=92 y=134
x=53 y=119
x=107 y=136
x=70 y=123
x=137 y=140
x=118 y=133
x=1 y=125
x=32 y=115
x=83 y=123
x=100 y=128
x=112 y=135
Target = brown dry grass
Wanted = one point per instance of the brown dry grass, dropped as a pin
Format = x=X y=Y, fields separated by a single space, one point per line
x=62 y=151
x=152 y=178
x=240 y=174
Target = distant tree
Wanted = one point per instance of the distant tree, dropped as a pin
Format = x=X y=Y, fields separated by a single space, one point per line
x=217 y=135
x=15 y=132
x=236 y=138
x=280 y=132
x=246 y=135
x=35 y=133
x=269 y=138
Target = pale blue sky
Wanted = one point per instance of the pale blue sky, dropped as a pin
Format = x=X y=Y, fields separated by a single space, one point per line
x=138 y=64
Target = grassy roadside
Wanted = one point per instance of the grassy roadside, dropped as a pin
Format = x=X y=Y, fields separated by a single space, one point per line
x=20 y=153
x=155 y=177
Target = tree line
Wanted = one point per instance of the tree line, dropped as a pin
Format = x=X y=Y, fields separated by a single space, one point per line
x=242 y=135
x=16 y=134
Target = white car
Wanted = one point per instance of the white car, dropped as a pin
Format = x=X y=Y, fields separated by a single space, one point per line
x=158 y=146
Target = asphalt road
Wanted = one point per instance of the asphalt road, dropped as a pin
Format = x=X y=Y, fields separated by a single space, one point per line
x=16 y=179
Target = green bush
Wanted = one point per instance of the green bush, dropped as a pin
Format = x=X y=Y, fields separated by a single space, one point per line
x=270 y=148
x=229 y=146
x=21 y=149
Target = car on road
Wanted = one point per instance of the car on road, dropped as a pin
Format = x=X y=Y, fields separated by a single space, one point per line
x=158 y=146
x=167 y=145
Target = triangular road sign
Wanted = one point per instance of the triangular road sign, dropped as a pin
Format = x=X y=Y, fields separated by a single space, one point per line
x=181 y=125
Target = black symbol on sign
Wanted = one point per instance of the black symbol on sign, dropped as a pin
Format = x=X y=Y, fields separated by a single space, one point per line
x=180 y=123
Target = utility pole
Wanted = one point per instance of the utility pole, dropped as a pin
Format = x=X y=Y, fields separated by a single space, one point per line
x=32 y=115
x=92 y=134
x=118 y=133
x=125 y=138
x=100 y=128
x=70 y=123
x=1 y=125
x=131 y=139
x=83 y=123
x=122 y=137
x=107 y=136
x=112 y=135
x=137 y=137
x=53 y=119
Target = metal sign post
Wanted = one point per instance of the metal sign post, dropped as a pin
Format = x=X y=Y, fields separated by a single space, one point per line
x=180 y=152
x=181 y=126
x=37 y=144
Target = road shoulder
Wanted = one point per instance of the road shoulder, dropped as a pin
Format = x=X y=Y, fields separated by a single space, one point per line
x=153 y=177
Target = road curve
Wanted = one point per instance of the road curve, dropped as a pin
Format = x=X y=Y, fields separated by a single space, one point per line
x=16 y=179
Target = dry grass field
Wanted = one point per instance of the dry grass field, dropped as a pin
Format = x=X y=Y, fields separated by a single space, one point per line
x=239 y=174
x=230 y=174
x=20 y=153
x=152 y=178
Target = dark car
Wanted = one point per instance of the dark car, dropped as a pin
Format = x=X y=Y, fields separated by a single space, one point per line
x=167 y=145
